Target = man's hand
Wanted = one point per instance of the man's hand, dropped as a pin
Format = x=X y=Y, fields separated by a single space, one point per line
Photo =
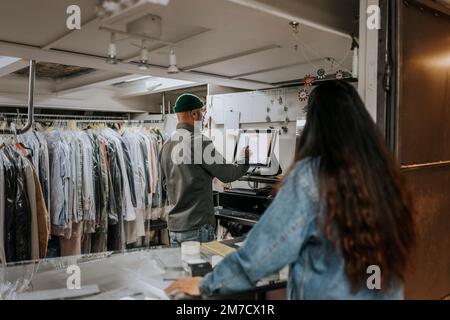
x=189 y=286
x=246 y=153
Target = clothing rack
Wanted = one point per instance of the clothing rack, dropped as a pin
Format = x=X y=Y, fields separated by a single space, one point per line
x=12 y=116
x=78 y=119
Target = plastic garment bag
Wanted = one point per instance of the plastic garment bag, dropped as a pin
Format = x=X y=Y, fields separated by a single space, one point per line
x=18 y=214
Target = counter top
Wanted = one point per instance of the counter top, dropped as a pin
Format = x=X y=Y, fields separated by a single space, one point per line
x=132 y=274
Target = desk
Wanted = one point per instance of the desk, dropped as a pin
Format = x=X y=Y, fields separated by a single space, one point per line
x=139 y=273
x=270 y=283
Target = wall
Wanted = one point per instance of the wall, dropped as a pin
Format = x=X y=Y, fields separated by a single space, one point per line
x=216 y=89
x=253 y=108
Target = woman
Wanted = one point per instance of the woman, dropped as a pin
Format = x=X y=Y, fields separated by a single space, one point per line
x=341 y=208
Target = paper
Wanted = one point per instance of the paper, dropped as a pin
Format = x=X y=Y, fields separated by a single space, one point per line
x=259 y=145
x=195 y=261
x=218 y=248
x=232 y=120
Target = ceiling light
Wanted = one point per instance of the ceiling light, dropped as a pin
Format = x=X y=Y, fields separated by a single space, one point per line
x=138 y=78
x=149 y=86
x=111 y=7
x=173 y=62
x=143 y=61
x=100 y=11
x=108 y=8
x=294 y=25
x=173 y=69
x=112 y=51
x=143 y=66
x=127 y=3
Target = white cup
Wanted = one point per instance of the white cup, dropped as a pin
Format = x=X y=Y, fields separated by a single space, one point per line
x=190 y=248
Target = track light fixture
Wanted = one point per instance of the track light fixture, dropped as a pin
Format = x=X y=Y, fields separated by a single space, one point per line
x=112 y=50
x=173 y=68
x=143 y=60
x=107 y=8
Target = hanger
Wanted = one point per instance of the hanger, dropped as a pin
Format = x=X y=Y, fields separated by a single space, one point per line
x=25 y=151
x=5 y=140
x=39 y=126
x=4 y=123
x=18 y=116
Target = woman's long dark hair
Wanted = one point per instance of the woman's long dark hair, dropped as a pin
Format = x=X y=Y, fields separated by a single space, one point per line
x=369 y=213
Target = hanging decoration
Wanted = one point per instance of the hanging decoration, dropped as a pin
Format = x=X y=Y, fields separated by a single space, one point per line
x=268 y=119
x=286 y=108
x=286 y=119
x=306 y=51
x=280 y=100
x=321 y=74
x=309 y=80
x=303 y=94
x=340 y=75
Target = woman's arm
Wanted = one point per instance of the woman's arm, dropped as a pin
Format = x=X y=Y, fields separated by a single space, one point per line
x=273 y=243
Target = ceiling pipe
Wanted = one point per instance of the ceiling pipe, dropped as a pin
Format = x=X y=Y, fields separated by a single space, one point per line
x=28 y=125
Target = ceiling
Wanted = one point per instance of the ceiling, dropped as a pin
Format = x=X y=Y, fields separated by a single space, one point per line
x=239 y=43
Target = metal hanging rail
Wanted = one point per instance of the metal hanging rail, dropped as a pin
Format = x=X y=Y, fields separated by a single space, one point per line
x=16 y=116
x=83 y=119
x=108 y=121
x=29 y=123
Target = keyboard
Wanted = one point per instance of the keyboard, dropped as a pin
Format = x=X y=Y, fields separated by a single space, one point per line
x=239 y=214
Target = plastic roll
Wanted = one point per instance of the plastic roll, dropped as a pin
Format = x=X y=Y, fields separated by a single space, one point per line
x=190 y=248
x=355 y=63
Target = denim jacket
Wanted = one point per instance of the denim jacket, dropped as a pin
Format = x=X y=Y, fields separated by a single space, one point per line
x=290 y=234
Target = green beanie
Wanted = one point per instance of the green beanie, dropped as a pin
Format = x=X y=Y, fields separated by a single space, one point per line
x=187 y=102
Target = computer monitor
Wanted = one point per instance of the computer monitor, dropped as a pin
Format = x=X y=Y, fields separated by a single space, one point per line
x=260 y=143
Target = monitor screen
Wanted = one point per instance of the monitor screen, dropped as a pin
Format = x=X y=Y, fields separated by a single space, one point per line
x=260 y=143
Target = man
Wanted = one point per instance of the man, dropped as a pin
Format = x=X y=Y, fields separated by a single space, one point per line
x=187 y=175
